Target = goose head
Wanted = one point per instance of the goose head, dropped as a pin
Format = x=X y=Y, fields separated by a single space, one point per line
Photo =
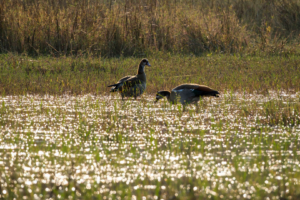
x=161 y=95
x=145 y=62
x=142 y=65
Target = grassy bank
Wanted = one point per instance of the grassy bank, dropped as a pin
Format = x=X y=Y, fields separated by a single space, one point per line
x=82 y=75
x=135 y=27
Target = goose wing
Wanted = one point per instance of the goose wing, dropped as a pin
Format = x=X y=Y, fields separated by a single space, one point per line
x=197 y=90
x=125 y=78
x=120 y=81
x=119 y=84
x=131 y=82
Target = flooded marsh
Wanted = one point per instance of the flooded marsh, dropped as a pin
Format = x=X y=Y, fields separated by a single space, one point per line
x=238 y=146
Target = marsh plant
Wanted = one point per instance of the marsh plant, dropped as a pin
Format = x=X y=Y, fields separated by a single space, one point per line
x=136 y=27
x=64 y=136
x=238 y=146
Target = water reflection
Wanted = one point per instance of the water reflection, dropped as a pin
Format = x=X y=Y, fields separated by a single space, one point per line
x=97 y=145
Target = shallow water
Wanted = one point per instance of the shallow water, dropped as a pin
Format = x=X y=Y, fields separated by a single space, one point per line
x=238 y=146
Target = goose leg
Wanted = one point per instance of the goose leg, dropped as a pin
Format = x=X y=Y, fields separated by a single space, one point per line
x=136 y=93
x=197 y=107
x=183 y=108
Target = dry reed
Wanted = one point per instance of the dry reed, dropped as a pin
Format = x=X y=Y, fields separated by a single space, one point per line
x=135 y=27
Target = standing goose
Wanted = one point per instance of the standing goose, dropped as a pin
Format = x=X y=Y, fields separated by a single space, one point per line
x=186 y=94
x=132 y=86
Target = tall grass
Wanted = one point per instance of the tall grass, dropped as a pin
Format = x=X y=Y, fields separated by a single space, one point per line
x=135 y=27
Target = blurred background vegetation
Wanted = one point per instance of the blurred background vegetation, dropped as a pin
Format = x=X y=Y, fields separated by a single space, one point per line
x=139 y=27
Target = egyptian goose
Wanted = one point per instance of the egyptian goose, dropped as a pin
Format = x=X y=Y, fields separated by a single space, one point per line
x=186 y=94
x=132 y=86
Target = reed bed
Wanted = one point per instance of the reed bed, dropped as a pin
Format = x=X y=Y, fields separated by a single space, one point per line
x=136 y=27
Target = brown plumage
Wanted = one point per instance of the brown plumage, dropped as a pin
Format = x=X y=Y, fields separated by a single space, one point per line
x=187 y=93
x=132 y=86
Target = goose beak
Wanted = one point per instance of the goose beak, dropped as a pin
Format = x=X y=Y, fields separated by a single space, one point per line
x=149 y=64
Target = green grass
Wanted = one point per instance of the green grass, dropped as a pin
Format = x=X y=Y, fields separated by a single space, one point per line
x=84 y=75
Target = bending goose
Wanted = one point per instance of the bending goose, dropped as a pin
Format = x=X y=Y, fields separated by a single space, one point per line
x=186 y=94
x=132 y=86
